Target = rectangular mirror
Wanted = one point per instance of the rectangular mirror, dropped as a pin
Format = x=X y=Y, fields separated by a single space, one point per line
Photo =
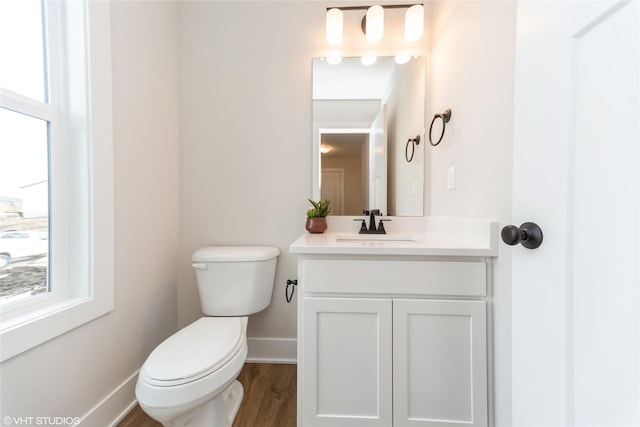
x=364 y=120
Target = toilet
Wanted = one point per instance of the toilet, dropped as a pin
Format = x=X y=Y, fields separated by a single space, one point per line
x=190 y=378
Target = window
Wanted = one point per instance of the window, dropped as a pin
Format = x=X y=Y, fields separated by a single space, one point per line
x=25 y=126
x=56 y=169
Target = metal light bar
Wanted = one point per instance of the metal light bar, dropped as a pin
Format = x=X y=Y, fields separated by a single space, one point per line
x=389 y=6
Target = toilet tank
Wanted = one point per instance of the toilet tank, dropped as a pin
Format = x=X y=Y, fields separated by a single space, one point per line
x=235 y=280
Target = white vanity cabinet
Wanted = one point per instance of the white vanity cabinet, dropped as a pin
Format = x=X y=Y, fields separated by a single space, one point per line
x=392 y=340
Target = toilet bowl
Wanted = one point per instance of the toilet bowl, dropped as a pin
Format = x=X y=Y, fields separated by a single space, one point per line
x=190 y=378
x=183 y=380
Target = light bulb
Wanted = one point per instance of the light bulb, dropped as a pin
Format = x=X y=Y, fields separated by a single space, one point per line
x=414 y=23
x=402 y=58
x=334 y=26
x=368 y=59
x=375 y=23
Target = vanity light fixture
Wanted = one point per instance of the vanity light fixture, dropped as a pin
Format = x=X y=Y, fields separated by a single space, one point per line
x=373 y=22
x=324 y=149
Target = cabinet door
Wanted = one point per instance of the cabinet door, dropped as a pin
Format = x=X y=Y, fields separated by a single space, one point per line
x=347 y=362
x=440 y=363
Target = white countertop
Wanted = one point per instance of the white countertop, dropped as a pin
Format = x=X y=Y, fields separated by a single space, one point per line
x=422 y=237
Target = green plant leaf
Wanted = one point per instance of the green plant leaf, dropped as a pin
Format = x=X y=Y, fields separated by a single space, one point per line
x=320 y=208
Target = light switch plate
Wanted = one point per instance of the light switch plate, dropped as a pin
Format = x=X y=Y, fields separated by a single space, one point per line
x=451 y=177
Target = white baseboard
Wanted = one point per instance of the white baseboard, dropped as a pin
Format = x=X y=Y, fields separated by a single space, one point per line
x=113 y=408
x=272 y=350
x=109 y=412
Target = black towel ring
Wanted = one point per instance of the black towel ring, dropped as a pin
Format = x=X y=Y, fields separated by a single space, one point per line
x=290 y=289
x=446 y=116
x=413 y=142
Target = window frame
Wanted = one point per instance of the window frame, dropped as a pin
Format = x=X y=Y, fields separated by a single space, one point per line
x=81 y=178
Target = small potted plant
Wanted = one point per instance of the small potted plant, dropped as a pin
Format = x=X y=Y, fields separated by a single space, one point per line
x=317 y=216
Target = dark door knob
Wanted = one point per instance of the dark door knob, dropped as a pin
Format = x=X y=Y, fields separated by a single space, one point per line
x=529 y=234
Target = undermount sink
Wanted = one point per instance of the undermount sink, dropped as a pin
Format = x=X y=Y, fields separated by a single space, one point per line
x=390 y=237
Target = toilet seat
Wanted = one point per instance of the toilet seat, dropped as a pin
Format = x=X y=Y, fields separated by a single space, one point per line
x=194 y=352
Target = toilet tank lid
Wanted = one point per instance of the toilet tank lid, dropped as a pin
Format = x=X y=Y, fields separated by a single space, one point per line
x=234 y=253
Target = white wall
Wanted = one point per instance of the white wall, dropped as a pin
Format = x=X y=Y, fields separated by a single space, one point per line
x=405 y=119
x=245 y=136
x=245 y=139
x=472 y=62
x=71 y=374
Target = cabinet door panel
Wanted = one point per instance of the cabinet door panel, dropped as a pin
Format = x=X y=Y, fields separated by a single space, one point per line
x=347 y=367
x=439 y=363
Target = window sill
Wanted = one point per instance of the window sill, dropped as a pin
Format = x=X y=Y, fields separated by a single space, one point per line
x=23 y=332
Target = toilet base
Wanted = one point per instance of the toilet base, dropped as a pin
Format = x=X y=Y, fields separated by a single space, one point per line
x=232 y=400
x=217 y=412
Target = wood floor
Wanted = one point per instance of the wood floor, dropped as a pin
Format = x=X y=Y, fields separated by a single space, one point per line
x=269 y=399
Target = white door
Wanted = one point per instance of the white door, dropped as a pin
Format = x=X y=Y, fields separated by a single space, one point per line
x=575 y=300
x=332 y=188
x=347 y=362
x=439 y=363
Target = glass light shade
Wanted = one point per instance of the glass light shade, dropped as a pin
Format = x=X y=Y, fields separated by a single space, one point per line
x=334 y=26
x=414 y=23
x=375 y=23
x=368 y=59
x=402 y=58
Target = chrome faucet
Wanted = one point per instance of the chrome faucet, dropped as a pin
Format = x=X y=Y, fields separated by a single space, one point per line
x=372 y=223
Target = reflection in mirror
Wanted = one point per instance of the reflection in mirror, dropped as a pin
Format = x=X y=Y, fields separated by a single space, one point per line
x=363 y=117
